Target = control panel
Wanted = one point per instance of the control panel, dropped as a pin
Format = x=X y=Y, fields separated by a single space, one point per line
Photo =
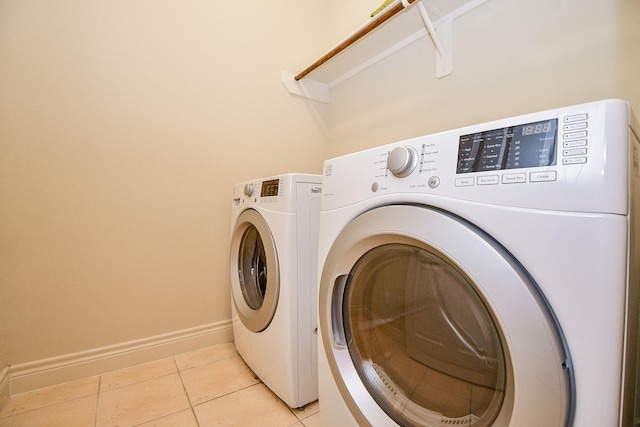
x=565 y=159
x=515 y=154
x=262 y=191
x=276 y=193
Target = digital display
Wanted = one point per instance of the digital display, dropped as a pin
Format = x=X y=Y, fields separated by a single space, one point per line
x=269 y=188
x=522 y=146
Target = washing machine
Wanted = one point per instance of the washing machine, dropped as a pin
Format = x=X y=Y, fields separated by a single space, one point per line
x=484 y=276
x=273 y=264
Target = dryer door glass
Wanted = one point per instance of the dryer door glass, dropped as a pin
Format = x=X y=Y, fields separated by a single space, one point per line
x=427 y=321
x=252 y=268
x=422 y=340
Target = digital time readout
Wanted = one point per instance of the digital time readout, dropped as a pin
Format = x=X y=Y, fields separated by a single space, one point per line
x=270 y=188
x=522 y=146
x=536 y=128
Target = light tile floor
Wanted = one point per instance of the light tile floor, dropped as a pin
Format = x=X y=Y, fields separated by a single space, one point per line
x=203 y=388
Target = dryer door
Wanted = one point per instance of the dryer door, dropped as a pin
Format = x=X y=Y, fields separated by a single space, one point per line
x=427 y=321
x=254 y=271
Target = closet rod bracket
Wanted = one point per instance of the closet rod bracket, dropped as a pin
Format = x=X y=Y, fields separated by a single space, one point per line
x=444 y=61
x=441 y=34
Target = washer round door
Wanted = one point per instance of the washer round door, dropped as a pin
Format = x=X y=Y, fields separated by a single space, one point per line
x=427 y=321
x=254 y=271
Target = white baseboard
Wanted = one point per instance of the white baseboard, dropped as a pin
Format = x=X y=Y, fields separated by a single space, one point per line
x=57 y=370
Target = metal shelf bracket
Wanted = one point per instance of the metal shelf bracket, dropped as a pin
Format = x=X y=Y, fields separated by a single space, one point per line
x=444 y=60
x=441 y=34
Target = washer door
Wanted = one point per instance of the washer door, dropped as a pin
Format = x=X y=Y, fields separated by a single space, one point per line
x=427 y=321
x=254 y=271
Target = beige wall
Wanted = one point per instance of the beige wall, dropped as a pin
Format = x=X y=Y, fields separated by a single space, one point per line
x=347 y=16
x=509 y=57
x=123 y=126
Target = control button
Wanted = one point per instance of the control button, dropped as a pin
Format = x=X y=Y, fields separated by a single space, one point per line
x=402 y=161
x=575 y=135
x=576 y=118
x=464 y=182
x=575 y=152
x=488 y=180
x=434 y=181
x=575 y=143
x=375 y=186
x=248 y=190
x=575 y=126
x=574 y=161
x=514 y=178
x=542 y=176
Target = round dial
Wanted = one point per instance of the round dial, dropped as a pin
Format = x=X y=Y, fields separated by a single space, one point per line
x=402 y=161
x=248 y=190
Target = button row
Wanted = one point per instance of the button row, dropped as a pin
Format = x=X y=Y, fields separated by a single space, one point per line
x=508 y=178
x=574 y=139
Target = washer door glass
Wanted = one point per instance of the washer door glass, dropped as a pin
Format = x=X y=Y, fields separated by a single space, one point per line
x=254 y=271
x=421 y=339
x=252 y=268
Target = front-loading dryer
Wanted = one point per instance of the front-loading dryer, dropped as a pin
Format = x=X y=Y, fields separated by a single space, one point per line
x=273 y=282
x=484 y=276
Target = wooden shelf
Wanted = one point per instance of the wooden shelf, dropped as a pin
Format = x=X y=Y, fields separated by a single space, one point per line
x=391 y=30
x=368 y=27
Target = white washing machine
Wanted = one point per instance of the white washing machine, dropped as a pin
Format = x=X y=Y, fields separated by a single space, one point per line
x=273 y=282
x=485 y=276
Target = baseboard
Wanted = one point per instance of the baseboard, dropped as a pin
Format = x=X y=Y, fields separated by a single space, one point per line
x=57 y=370
x=4 y=386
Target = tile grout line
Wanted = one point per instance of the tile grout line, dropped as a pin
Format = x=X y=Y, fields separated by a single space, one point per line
x=51 y=405
x=95 y=416
x=184 y=387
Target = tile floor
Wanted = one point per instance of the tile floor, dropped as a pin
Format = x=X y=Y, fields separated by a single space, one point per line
x=208 y=387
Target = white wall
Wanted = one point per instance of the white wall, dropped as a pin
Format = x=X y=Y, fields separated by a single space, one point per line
x=510 y=57
x=123 y=127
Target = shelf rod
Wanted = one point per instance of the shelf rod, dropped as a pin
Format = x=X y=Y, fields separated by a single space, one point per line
x=373 y=24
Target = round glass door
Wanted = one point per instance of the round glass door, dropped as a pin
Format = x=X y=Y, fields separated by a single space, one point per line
x=254 y=271
x=422 y=340
x=252 y=268
x=427 y=321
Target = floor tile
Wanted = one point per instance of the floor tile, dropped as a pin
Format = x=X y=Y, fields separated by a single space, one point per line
x=308 y=410
x=50 y=396
x=249 y=407
x=213 y=383
x=216 y=379
x=206 y=355
x=78 y=413
x=137 y=374
x=182 y=419
x=142 y=402
x=312 y=421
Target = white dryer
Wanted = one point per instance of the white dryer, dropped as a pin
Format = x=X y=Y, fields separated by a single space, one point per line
x=273 y=282
x=485 y=276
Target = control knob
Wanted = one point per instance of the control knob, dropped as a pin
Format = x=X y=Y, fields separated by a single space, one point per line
x=248 y=190
x=402 y=161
